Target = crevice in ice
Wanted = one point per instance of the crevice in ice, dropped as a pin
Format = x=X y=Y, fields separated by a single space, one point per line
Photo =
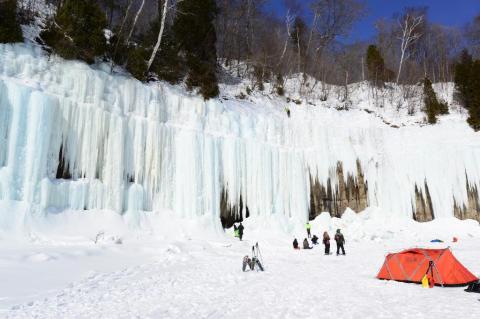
x=335 y=197
x=231 y=213
x=423 y=209
x=63 y=169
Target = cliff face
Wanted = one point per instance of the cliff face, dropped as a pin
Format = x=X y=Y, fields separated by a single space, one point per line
x=470 y=209
x=351 y=192
x=423 y=209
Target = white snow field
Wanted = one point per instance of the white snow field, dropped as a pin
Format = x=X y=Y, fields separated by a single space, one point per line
x=200 y=276
x=148 y=164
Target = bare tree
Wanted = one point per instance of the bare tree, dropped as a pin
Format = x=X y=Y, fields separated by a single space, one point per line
x=160 y=34
x=473 y=35
x=289 y=18
x=120 y=32
x=132 y=28
x=410 y=33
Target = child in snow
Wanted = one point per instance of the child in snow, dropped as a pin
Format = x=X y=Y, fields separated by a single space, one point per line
x=295 y=244
x=306 y=245
x=340 y=240
x=315 y=240
x=308 y=229
x=326 y=242
x=240 y=231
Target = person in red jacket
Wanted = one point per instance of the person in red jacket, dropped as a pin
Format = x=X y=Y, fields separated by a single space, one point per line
x=326 y=242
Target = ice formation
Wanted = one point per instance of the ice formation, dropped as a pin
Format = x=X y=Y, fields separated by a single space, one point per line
x=72 y=137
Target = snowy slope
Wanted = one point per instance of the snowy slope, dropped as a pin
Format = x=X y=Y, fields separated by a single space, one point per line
x=133 y=149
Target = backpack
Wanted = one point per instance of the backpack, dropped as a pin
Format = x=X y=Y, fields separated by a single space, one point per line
x=473 y=287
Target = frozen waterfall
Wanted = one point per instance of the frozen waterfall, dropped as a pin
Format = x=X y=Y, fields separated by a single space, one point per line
x=76 y=138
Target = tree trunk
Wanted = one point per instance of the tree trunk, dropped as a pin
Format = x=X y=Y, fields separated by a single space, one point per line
x=135 y=21
x=160 y=35
x=400 y=66
x=124 y=20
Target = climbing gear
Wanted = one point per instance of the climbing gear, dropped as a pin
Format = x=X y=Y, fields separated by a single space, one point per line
x=256 y=260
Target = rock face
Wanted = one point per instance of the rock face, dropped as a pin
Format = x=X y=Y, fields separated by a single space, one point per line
x=335 y=198
x=472 y=209
x=423 y=209
x=340 y=192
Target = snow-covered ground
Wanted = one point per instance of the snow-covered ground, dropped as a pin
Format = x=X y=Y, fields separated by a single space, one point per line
x=194 y=277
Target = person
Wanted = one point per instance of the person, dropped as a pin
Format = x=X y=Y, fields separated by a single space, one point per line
x=340 y=240
x=235 y=230
x=295 y=244
x=306 y=245
x=326 y=242
x=315 y=240
x=240 y=231
x=308 y=229
x=288 y=111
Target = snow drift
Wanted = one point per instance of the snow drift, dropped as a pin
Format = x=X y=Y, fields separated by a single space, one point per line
x=77 y=138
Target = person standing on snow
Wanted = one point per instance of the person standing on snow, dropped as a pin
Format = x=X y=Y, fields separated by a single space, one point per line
x=240 y=231
x=295 y=244
x=306 y=245
x=235 y=230
x=340 y=240
x=308 y=229
x=326 y=242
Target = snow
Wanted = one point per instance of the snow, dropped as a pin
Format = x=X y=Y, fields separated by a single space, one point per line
x=194 y=277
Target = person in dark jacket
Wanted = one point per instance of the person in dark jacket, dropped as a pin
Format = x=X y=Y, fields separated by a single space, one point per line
x=340 y=240
x=315 y=240
x=326 y=242
x=240 y=231
x=306 y=245
x=295 y=244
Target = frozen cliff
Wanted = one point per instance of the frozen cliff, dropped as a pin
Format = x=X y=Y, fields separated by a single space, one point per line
x=76 y=138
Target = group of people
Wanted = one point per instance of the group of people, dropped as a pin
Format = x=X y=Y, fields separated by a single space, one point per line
x=339 y=240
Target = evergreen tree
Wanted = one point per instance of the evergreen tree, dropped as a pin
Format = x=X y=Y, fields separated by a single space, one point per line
x=137 y=62
x=195 y=32
x=432 y=106
x=77 y=31
x=10 y=30
x=377 y=74
x=463 y=84
x=474 y=106
x=467 y=84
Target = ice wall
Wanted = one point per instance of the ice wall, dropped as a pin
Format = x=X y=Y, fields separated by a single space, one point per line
x=125 y=146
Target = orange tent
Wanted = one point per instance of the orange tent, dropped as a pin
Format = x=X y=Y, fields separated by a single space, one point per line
x=438 y=264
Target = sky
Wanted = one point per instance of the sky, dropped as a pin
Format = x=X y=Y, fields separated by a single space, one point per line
x=446 y=12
